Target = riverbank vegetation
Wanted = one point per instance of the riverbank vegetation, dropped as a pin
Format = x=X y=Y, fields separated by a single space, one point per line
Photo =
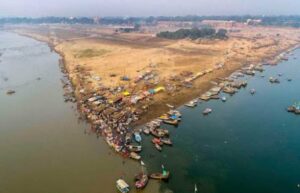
x=292 y=21
x=89 y=53
x=194 y=33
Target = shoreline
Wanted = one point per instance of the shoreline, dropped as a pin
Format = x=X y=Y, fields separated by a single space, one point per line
x=153 y=114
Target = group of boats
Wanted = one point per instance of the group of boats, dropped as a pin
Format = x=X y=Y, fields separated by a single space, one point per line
x=141 y=180
x=161 y=135
x=173 y=117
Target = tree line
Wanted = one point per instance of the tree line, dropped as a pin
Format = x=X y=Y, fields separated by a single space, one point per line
x=293 y=20
x=194 y=33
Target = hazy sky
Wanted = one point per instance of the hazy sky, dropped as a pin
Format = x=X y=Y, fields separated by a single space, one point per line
x=37 y=8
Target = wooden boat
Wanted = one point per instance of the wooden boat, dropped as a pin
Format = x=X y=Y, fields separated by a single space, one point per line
x=274 y=80
x=122 y=186
x=134 y=155
x=174 y=112
x=158 y=147
x=175 y=117
x=146 y=131
x=160 y=176
x=207 y=111
x=259 y=68
x=167 y=141
x=162 y=131
x=249 y=72
x=141 y=181
x=170 y=106
x=10 y=92
x=229 y=90
x=192 y=103
x=291 y=109
x=216 y=97
x=134 y=148
x=204 y=97
x=171 y=122
x=156 y=133
x=157 y=141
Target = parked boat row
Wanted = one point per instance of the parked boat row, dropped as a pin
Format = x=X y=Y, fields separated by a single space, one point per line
x=142 y=179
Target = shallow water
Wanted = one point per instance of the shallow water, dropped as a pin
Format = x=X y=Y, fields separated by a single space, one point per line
x=248 y=144
x=43 y=147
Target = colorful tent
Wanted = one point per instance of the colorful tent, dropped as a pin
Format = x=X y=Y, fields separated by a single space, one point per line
x=126 y=93
x=158 y=89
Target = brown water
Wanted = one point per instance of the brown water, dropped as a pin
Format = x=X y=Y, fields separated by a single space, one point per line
x=43 y=147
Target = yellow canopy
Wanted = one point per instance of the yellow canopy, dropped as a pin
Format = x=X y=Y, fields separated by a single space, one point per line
x=126 y=93
x=158 y=89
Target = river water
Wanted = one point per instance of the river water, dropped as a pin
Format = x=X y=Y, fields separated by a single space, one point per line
x=249 y=144
x=43 y=147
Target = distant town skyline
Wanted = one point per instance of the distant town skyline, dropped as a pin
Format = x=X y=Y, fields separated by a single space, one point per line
x=91 y=8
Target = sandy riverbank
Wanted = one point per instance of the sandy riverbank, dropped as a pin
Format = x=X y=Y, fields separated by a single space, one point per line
x=104 y=56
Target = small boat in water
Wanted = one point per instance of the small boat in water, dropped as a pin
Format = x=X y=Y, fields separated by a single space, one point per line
x=294 y=108
x=158 y=147
x=134 y=148
x=157 y=141
x=159 y=132
x=223 y=99
x=291 y=109
x=161 y=176
x=274 y=80
x=192 y=103
x=141 y=181
x=171 y=122
x=122 y=186
x=134 y=155
x=137 y=137
x=166 y=141
x=10 y=92
x=252 y=91
x=207 y=111
x=146 y=131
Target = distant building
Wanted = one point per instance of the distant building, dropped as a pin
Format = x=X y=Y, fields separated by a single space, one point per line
x=220 y=23
x=176 y=24
x=96 y=20
x=253 y=21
